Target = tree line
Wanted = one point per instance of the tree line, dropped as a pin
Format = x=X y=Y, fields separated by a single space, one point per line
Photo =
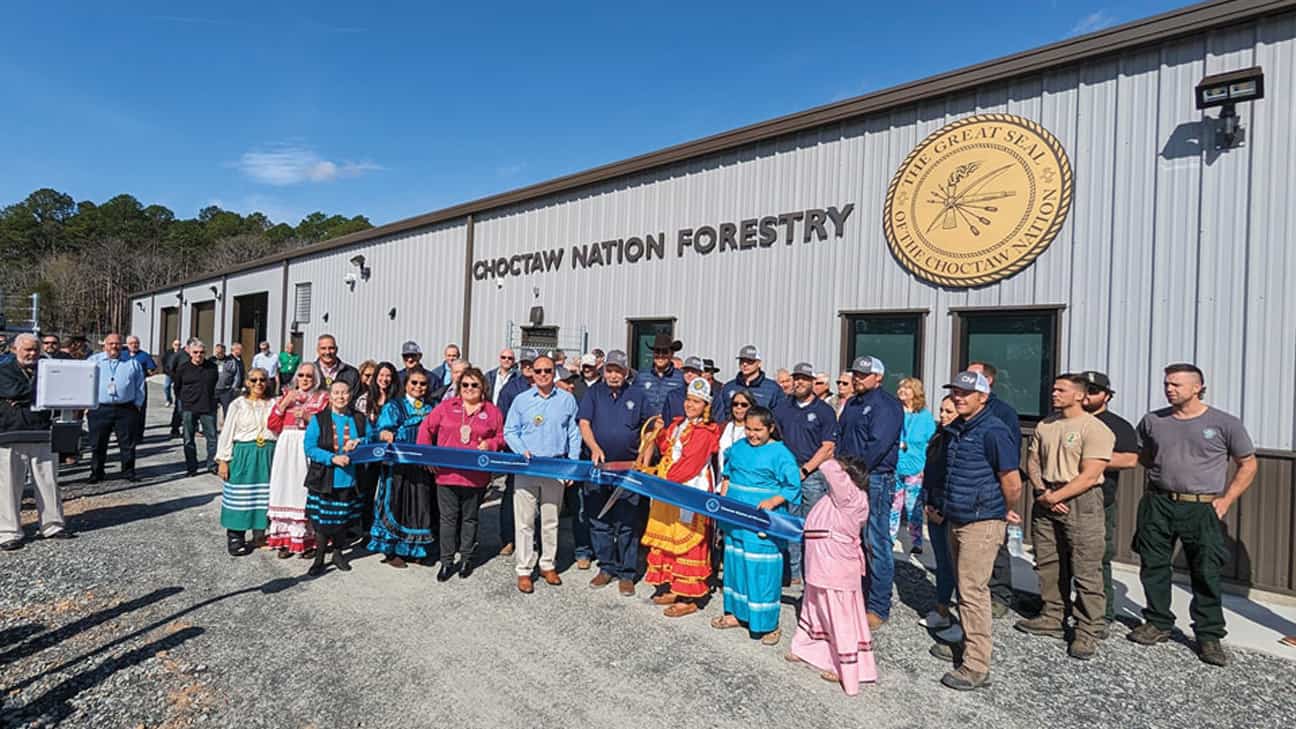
x=85 y=259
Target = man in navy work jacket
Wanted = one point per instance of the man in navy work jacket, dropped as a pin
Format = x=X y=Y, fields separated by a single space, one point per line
x=750 y=377
x=610 y=415
x=662 y=379
x=541 y=423
x=981 y=480
x=1001 y=589
x=869 y=430
x=809 y=429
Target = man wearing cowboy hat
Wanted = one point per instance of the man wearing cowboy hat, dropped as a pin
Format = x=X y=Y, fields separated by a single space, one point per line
x=657 y=384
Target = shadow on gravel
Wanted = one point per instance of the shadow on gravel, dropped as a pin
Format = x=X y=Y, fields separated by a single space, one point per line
x=76 y=627
x=21 y=632
x=110 y=516
x=55 y=705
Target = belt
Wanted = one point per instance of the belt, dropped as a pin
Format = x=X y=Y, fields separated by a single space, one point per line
x=1185 y=498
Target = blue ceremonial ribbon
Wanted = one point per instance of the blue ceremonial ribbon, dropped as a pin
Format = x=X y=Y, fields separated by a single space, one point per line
x=721 y=508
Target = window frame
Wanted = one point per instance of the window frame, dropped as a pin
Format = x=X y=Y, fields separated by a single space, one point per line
x=959 y=332
x=848 y=319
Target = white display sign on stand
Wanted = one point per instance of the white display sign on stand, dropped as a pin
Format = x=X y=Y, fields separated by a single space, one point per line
x=67 y=384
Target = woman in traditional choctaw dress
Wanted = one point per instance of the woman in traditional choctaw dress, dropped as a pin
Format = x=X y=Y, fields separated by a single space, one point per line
x=332 y=504
x=832 y=632
x=762 y=472
x=679 y=552
x=244 y=453
x=405 y=506
x=290 y=532
x=382 y=388
x=467 y=420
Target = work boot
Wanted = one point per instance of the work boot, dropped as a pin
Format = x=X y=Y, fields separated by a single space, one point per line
x=965 y=679
x=448 y=570
x=339 y=560
x=1210 y=651
x=317 y=567
x=999 y=609
x=1148 y=634
x=1083 y=648
x=947 y=652
x=1041 y=625
x=1105 y=630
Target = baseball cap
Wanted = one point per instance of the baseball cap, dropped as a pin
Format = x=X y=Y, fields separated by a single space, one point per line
x=867 y=365
x=1099 y=380
x=598 y=353
x=528 y=354
x=694 y=363
x=616 y=358
x=410 y=347
x=749 y=351
x=588 y=360
x=804 y=369
x=971 y=381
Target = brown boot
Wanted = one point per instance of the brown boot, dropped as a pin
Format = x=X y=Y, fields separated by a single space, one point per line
x=551 y=577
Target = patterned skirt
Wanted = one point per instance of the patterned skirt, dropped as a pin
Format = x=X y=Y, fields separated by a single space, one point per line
x=332 y=514
x=753 y=579
x=245 y=497
x=404 y=513
x=679 y=552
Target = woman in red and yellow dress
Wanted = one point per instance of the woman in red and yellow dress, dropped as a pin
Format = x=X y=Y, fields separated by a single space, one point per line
x=679 y=555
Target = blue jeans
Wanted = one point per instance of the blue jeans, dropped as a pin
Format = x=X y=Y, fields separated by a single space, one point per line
x=192 y=421
x=939 y=536
x=878 y=581
x=166 y=389
x=813 y=488
x=574 y=505
x=616 y=536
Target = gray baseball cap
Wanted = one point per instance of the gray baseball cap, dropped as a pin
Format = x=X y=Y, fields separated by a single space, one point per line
x=528 y=354
x=749 y=351
x=616 y=358
x=410 y=347
x=970 y=381
x=803 y=369
x=867 y=365
x=694 y=363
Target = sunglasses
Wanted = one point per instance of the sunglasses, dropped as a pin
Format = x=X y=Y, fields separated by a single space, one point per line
x=257 y=380
x=469 y=386
x=419 y=383
x=509 y=359
x=411 y=356
x=843 y=383
x=305 y=376
x=542 y=370
x=740 y=404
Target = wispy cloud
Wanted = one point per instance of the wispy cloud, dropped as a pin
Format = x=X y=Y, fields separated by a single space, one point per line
x=292 y=164
x=272 y=208
x=1096 y=20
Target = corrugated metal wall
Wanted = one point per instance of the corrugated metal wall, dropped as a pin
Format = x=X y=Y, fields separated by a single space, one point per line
x=1172 y=251
x=418 y=274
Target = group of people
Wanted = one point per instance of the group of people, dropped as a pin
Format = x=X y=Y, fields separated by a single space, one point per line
x=853 y=464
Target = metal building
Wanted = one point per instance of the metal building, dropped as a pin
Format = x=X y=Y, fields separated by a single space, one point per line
x=1177 y=245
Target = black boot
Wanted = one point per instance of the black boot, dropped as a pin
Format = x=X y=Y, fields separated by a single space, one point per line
x=236 y=543
x=448 y=570
x=465 y=568
x=339 y=559
x=317 y=567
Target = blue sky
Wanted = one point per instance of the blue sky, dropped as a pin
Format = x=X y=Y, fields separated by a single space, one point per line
x=404 y=108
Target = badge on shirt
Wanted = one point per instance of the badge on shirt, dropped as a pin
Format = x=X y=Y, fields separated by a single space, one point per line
x=867 y=409
x=418 y=404
x=1072 y=437
x=629 y=404
x=1209 y=433
x=811 y=417
x=481 y=415
x=538 y=420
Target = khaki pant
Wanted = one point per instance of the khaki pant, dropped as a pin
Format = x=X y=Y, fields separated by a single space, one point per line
x=1070 y=546
x=527 y=493
x=974 y=546
x=14 y=462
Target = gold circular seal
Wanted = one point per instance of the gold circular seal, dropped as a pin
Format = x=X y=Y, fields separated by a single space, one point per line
x=978 y=200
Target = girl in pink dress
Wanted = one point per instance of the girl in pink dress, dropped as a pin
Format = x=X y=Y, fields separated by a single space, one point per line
x=832 y=631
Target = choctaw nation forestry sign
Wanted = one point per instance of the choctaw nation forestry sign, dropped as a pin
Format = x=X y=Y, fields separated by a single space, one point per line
x=797 y=227
x=978 y=200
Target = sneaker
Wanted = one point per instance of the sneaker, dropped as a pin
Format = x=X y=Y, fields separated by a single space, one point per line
x=1040 y=625
x=1210 y=651
x=943 y=651
x=999 y=609
x=1148 y=634
x=935 y=620
x=965 y=679
x=1082 y=649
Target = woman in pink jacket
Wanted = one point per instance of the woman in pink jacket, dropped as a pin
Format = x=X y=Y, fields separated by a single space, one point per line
x=832 y=632
x=467 y=421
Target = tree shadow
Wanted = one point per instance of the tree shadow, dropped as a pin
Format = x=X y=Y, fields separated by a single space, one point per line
x=55 y=705
x=20 y=633
x=53 y=638
x=111 y=516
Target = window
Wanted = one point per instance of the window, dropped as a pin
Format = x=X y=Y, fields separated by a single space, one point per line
x=302 y=304
x=896 y=338
x=1021 y=344
x=642 y=333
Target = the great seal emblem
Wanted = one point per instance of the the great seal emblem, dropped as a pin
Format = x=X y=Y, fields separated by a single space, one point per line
x=978 y=200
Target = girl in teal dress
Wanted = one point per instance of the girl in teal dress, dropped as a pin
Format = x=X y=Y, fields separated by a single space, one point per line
x=762 y=472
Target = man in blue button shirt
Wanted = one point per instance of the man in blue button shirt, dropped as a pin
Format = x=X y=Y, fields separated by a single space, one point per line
x=121 y=395
x=541 y=422
x=610 y=415
x=869 y=430
x=809 y=429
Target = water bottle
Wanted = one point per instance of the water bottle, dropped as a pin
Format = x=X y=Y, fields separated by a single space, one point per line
x=1015 y=540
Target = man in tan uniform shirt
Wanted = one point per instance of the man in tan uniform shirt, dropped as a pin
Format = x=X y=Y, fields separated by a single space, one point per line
x=1065 y=463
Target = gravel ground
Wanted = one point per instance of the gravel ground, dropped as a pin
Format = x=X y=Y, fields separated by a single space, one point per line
x=143 y=620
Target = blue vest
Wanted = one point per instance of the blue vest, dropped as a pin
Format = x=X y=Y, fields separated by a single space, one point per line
x=976 y=452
